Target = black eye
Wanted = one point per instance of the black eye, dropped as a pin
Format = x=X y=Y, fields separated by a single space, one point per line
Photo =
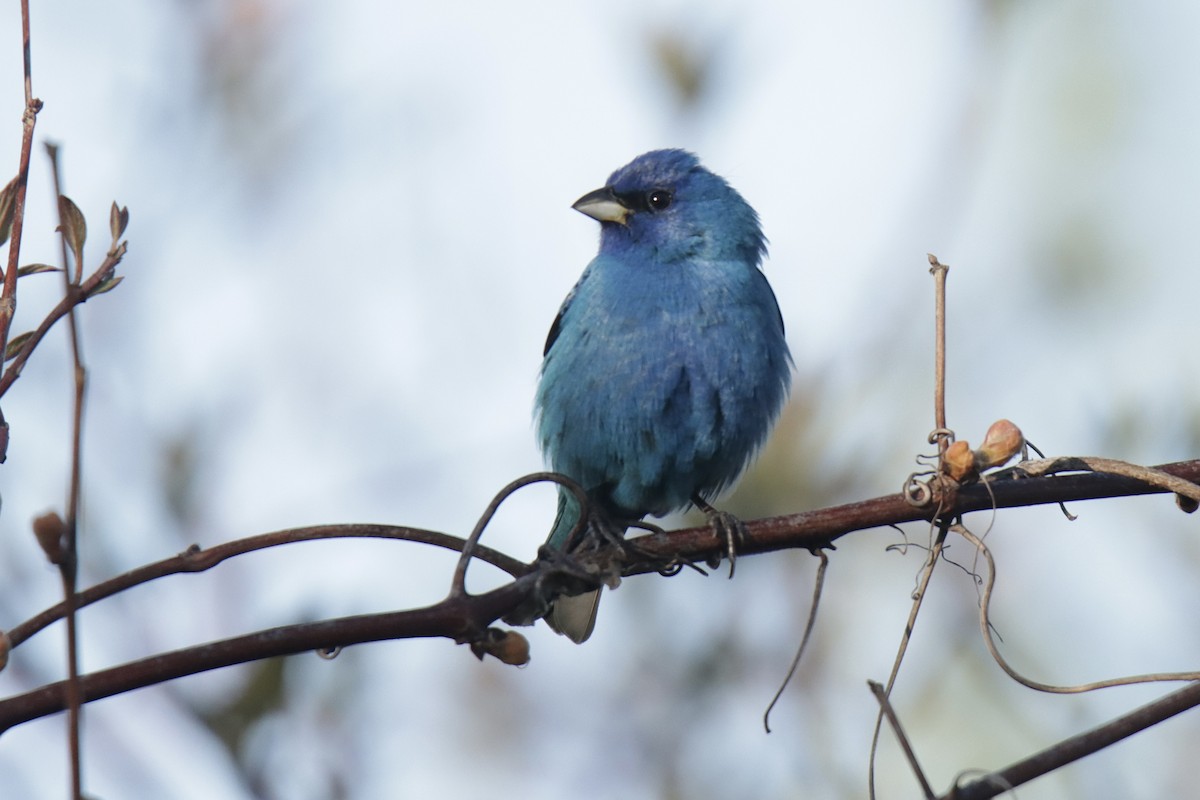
x=658 y=199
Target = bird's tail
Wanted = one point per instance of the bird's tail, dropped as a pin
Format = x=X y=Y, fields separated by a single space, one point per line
x=573 y=617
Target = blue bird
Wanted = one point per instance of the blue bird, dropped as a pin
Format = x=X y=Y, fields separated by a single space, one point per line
x=667 y=365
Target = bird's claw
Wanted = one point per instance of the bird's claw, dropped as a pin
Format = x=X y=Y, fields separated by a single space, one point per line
x=728 y=528
x=567 y=564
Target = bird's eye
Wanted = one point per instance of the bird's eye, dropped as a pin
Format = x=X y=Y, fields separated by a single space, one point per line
x=658 y=199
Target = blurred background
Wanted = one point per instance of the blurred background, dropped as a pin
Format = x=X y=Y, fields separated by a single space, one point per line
x=351 y=229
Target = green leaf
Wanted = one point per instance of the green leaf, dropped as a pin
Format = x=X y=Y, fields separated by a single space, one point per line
x=107 y=286
x=118 y=220
x=15 y=344
x=73 y=227
x=8 y=204
x=33 y=269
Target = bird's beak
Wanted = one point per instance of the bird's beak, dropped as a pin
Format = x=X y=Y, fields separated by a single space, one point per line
x=603 y=205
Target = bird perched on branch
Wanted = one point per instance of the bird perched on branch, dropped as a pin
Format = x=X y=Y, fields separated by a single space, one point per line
x=666 y=365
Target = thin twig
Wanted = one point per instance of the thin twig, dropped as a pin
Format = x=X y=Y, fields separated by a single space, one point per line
x=986 y=627
x=818 y=586
x=76 y=294
x=458 y=582
x=1110 y=466
x=69 y=565
x=941 y=515
x=195 y=560
x=931 y=561
x=885 y=705
x=939 y=271
x=8 y=299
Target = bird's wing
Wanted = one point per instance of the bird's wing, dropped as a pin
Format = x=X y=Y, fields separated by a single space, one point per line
x=770 y=293
x=556 y=326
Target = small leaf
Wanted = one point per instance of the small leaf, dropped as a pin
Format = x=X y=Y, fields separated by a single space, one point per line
x=73 y=227
x=118 y=220
x=15 y=344
x=8 y=203
x=33 y=269
x=107 y=286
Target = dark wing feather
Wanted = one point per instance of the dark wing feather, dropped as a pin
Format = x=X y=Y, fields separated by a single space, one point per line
x=556 y=326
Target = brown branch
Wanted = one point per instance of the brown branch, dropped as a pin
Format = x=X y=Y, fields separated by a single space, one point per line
x=462 y=619
x=465 y=618
x=195 y=559
x=821 y=527
x=68 y=565
x=8 y=298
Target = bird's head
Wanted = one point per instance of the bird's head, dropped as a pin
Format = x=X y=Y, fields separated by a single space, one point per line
x=665 y=203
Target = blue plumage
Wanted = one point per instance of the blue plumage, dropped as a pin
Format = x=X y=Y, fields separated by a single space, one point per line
x=667 y=364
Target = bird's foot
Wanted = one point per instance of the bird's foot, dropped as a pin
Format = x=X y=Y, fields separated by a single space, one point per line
x=592 y=557
x=668 y=568
x=606 y=530
x=728 y=528
x=564 y=562
x=610 y=532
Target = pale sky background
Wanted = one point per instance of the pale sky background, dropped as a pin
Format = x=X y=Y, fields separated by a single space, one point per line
x=351 y=229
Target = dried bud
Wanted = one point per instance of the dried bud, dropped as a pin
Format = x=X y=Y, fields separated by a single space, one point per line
x=508 y=646
x=1003 y=441
x=958 y=461
x=118 y=220
x=51 y=533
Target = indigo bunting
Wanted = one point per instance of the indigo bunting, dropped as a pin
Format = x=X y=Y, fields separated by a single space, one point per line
x=667 y=364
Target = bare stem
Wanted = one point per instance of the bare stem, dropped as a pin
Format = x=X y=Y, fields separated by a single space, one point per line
x=885 y=705
x=196 y=559
x=935 y=554
x=818 y=587
x=69 y=566
x=76 y=294
x=939 y=271
x=8 y=298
